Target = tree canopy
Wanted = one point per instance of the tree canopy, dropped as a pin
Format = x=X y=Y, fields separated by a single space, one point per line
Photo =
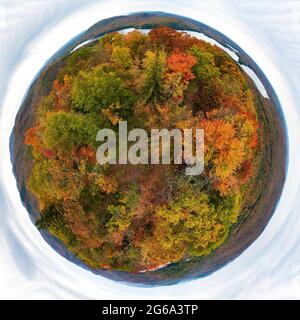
x=137 y=217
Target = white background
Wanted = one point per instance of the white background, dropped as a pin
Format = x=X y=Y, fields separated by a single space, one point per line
x=31 y=31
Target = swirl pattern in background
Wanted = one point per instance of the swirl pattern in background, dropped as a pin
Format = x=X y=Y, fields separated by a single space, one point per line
x=32 y=31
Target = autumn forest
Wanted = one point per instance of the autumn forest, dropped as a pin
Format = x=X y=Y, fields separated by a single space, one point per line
x=141 y=217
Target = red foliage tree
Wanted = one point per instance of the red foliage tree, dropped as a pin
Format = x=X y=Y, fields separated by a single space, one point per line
x=170 y=39
x=182 y=63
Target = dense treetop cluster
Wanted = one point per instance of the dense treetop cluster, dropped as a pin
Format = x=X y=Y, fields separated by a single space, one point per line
x=139 y=217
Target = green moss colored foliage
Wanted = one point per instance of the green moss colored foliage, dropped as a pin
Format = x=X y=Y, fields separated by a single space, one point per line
x=98 y=89
x=62 y=131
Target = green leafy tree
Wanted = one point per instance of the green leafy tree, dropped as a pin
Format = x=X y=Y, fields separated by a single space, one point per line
x=121 y=57
x=98 y=89
x=205 y=68
x=62 y=131
x=154 y=69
